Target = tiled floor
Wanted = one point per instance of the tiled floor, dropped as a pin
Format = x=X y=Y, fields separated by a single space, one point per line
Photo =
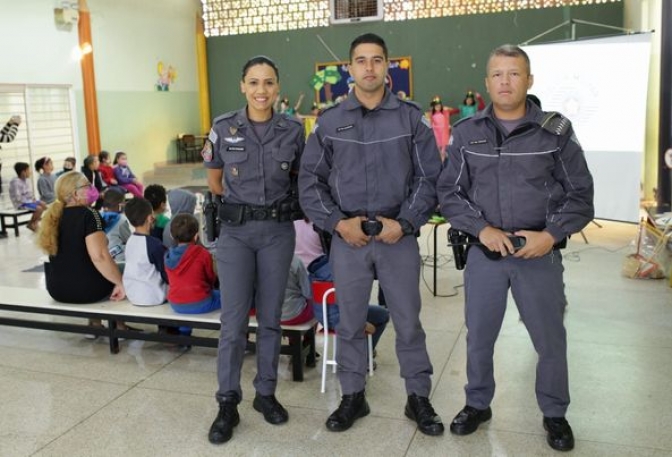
x=62 y=395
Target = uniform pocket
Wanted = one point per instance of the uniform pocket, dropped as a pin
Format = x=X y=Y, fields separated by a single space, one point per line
x=235 y=164
x=284 y=157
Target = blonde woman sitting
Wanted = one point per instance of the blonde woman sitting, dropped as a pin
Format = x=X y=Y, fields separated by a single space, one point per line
x=80 y=268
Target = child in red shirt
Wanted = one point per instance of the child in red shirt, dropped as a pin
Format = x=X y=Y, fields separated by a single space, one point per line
x=190 y=270
x=105 y=169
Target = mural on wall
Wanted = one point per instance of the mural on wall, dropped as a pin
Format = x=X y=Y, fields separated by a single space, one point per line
x=332 y=81
x=167 y=76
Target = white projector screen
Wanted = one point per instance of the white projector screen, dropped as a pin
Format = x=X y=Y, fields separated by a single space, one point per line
x=601 y=86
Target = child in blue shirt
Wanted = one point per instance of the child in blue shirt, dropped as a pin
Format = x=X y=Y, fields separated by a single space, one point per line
x=144 y=276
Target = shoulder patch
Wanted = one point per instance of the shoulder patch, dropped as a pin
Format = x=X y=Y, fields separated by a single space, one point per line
x=555 y=123
x=206 y=152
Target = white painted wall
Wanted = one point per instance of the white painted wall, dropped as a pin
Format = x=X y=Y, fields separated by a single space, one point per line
x=129 y=38
x=34 y=51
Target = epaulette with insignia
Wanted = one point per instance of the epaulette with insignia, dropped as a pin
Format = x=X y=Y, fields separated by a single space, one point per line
x=555 y=123
x=228 y=115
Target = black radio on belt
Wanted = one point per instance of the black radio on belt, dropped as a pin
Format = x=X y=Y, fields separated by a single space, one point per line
x=372 y=227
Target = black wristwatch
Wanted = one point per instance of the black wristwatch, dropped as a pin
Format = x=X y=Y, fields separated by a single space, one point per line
x=406 y=227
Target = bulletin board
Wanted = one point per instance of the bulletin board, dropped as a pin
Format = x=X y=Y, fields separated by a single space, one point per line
x=399 y=78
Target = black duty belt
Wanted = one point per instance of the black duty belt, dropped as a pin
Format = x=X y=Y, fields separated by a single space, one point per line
x=238 y=214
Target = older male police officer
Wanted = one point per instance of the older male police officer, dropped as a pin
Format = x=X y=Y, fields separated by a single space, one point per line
x=252 y=158
x=368 y=174
x=514 y=170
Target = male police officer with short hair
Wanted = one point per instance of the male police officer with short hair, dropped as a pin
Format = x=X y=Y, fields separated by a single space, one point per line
x=514 y=170
x=368 y=175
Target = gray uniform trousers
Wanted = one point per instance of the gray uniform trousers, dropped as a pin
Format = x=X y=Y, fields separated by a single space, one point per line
x=253 y=264
x=538 y=290
x=398 y=270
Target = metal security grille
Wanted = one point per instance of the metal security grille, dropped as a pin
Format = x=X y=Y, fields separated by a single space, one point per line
x=356 y=9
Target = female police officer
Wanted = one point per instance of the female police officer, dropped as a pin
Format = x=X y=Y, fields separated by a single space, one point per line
x=252 y=158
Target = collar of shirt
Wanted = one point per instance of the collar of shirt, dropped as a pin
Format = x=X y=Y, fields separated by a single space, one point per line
x=532 y=114
x=241 y=120
x=388 y=102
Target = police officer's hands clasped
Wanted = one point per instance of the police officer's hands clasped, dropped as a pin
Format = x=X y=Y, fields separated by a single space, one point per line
x=496 y=240
x=391 y=232
x=351 y=231
x=537 y=244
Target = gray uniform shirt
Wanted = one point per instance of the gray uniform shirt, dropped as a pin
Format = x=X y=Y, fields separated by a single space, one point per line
x=534 y=178
x=256 y=171
x=378 y=162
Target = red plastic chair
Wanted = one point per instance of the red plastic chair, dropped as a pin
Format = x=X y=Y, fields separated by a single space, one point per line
x=325 y=293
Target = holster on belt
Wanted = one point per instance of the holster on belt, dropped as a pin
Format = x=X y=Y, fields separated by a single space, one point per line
x=289 y=209
x=231 y=214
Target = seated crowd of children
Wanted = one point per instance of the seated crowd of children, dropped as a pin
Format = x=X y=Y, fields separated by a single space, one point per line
x=160 y=256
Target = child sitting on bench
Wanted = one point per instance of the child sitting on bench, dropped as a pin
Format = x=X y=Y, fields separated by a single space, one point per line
x=21 y=194
x=190 y=270
x=144 y=277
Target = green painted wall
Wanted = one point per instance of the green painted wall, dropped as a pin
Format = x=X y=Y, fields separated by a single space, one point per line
x=448 y=53
x=143 y=124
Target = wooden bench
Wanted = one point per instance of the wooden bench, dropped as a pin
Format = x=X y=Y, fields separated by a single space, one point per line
x=13 y=215
x=38 y=301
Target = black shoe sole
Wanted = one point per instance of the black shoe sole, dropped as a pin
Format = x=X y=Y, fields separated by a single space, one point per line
x=338 y=427
x=432 y=431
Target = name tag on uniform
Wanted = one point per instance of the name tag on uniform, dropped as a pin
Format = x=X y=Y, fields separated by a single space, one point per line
x=478 y=142
x=345 y=127
x=235 y=148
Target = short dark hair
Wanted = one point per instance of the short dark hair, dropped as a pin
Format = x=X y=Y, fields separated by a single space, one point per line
x=183 y=227
x=156 y=194
x=510 y=50
x=113 y=198
x=368 y=38
x=260 y=60
x=104 y=155
x=137 y=211
x=20 y=167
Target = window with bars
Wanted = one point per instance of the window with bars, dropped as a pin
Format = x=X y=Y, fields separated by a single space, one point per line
x=46 y=130
x=234 y=17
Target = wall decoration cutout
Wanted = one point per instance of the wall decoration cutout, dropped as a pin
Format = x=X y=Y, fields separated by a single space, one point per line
x=332 y=80
x=167 y=76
